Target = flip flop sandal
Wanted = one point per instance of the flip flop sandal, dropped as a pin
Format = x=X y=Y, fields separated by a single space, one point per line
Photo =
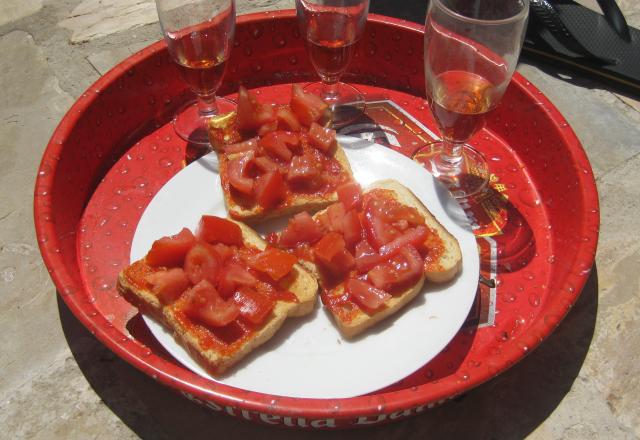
x=603 y=46
x=562 y=32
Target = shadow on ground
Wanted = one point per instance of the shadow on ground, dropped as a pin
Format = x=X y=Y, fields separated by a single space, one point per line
x=509 y=407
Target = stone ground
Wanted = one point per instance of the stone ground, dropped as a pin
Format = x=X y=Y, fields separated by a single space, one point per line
x=59 y=382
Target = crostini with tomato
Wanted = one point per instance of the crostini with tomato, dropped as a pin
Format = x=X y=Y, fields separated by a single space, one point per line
x=222 y=291
x=371 y=251
x=277 y=160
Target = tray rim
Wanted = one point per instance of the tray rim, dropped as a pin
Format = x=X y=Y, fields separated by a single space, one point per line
x=284 y=406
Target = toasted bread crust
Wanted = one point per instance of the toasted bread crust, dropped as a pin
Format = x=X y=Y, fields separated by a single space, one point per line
x=297 y=203
x=448 y=265
x=302 y=284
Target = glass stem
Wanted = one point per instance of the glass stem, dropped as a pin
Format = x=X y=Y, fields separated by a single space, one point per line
x=329 y=91
x=207 y=105
x=450 y=157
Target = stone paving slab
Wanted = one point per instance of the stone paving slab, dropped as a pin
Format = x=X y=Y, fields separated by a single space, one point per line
x=31 y=105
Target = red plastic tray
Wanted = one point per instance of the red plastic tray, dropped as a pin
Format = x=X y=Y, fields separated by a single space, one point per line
x=537 y=227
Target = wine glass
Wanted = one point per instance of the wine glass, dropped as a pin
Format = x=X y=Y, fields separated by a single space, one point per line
x=471 y=48
x=199 y=35
x=331 y=29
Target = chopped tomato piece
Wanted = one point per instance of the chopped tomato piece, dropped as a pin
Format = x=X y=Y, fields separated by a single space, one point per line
x=378 y=231
x=382 y=203
x=278 y=144
x=377 y=221
x=233 y=275
x=366 y=262
x=302 y=228
x=308 y=108
x=366 y=296
x=202 y=263
x=270 y=189
x=168 y=285
x=204 y=304
x=342 y=262
x=414 y=237
x=324 y=139
x=268 y=127
x=350 y=195
x=214 y=229
x=287 y=119
x=335 y=214
x=170 y=251
x=351 y=228
x=237 y=172
x=254 y=306
x=274 y=262
x=331 y=253
x=251 y=114
x=328 y=247
x=241 y=147
x=364 y=248
x=306 y=170
x=223 y=251
x=266 y=164
x=401 y=271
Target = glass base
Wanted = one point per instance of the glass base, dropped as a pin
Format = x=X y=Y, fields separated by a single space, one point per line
x=464 y=177
x=347 y=105
x=193 y=127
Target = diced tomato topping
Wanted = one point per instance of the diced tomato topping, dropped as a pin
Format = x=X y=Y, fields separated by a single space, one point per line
x=202 y=263
x=414 y=237
x=237 y=172
x=170 y=251
x=287 y=119
x=308 y=108
x=324 y=139
x=350 y=194
x=342 y=262
x=274 y=262
x=364 y=248
x=168 y=285
x=241 y=147
x=366 y=296
x=266 y=164
x=328 y=247
x=366 y=262
x=204 y=304
x=268 y=127
x=270 y=189
x=401 y=271
x=335 y=214
x=378 y=231
x=302 y=228
x=251 y=114
x=382 y=203
x=224 y=252
x=278 y=144
x=233 y=275
x=386 y=218
x=332 y=254
x=254 y=306
x=351 y=228
x=306 y=170
x=214 y=229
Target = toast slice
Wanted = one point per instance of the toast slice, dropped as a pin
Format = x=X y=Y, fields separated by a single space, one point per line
x=287 y=140
x=440 y=268
x=216 y=350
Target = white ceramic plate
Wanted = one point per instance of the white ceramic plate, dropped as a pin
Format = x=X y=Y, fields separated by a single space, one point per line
x=308 y=357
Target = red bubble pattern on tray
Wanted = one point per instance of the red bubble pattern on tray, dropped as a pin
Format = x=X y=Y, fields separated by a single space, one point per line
x=114 y=150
